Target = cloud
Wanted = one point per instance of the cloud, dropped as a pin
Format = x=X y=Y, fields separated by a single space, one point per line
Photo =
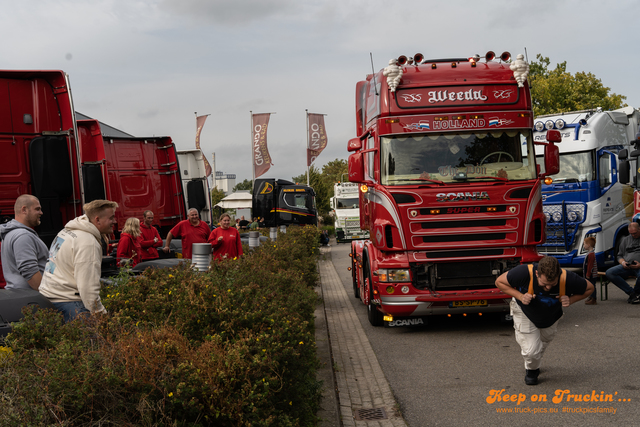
x=228 y=12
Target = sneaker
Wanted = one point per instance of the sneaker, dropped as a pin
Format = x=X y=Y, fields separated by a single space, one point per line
x=591 y=301
x=531 y=376
x=635 y=299
x=632 y=295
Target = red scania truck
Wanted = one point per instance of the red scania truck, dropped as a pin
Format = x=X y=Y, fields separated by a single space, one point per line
x=449 y=186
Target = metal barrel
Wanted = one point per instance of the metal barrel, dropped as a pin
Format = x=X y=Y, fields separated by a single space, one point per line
x=283 y=228
x=254 y=239
x=201 y=256
x=273 y=233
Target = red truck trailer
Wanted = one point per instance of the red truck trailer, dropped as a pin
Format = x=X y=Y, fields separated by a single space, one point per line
x=39 y=146
x=449 y=186
x=138 y=173
x=67 y=160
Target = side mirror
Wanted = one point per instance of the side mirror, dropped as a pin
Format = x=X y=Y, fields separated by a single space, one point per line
x=551 y=159
x=553 y=135
x=623 y=171
x=354 y=144
x=356 y=167
x=623 y=154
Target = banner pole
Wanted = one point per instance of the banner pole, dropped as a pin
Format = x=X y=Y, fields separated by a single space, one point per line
x=307 y=153
x=253 y=172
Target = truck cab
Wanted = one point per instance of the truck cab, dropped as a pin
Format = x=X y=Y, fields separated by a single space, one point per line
x=345 y=210
x=282 y=202
x=586 y=197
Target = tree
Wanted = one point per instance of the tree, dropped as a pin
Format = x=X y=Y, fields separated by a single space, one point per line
x=556 y=91
x=319 y=186
x=216 y=196
x=247 y=184
x=335 y=171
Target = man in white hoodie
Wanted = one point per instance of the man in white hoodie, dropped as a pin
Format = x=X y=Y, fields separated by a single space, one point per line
x=72 y=276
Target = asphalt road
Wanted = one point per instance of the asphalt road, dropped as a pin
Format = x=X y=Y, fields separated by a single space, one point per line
x=443 y=373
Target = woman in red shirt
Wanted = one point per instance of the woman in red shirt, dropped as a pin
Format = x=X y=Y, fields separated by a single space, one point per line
x=129 y=248
x=225 y=240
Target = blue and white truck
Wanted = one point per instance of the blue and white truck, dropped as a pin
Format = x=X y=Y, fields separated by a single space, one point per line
x=586 y=197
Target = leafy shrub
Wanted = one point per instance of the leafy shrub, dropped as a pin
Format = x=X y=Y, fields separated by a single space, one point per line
x=231 y=347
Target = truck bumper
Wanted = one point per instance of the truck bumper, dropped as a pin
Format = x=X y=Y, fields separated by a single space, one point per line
x=485 y=301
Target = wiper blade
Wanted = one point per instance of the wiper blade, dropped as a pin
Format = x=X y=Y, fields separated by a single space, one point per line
x=435 y=181
x=499 y=178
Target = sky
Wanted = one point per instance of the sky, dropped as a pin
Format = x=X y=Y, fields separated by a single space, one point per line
x=147 y=66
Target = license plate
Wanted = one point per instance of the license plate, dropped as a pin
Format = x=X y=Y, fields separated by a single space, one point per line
x=474 y=303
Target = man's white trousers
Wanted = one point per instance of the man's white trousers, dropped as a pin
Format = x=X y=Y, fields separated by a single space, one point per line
x=533 y=341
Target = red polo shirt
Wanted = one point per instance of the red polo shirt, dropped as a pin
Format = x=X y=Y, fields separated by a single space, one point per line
x=190 y=235
x=149 y=250
x=229 y=247
x=129 y=248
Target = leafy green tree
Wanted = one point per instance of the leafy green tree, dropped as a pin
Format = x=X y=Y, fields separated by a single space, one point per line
x=556 y=90
x=319 y=185
x=335 y=171
x=216 y=196
x=247 y=184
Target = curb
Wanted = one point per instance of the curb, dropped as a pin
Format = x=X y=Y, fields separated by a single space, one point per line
x=362 y=393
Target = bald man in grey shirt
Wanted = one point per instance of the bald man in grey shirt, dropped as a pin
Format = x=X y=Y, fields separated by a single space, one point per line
x=24 y=255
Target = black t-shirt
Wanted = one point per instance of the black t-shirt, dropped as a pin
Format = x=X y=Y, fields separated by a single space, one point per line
x=545 y=309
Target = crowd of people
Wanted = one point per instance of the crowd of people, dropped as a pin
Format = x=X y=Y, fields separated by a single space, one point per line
x=68 y=273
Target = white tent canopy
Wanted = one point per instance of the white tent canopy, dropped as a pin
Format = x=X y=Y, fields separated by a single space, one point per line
x=237 y=200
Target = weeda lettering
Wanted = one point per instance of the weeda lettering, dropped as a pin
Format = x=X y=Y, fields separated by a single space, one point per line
x=445 y=95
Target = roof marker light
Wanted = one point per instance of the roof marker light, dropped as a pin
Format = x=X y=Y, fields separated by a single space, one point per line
x=433 y=66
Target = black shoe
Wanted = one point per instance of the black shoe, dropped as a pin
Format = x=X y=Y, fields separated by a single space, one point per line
x=632 y=295
x=531 y=376
x=635 y=299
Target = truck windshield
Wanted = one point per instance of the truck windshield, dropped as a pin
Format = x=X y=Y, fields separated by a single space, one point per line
x=298 y=201
x=456 y=157
x=574 y=167
x=351 y=203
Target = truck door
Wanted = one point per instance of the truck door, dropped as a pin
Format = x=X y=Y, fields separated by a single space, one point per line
x=607 y=178
x=52 y=181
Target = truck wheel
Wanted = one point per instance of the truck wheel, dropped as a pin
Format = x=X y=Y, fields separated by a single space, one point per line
x=374 y=315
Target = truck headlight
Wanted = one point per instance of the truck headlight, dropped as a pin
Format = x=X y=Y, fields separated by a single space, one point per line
x=394 y=275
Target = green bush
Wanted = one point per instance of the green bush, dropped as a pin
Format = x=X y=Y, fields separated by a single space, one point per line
x=231 y=347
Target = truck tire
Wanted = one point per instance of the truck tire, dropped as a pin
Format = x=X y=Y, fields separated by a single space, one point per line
x=374 y=315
